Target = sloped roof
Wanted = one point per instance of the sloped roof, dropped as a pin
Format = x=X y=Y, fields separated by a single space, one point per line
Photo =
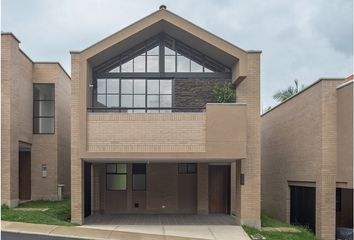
x=176 y=26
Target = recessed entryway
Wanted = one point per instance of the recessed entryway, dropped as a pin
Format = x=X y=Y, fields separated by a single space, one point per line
x=303 y=206
x=219 y=189
x=24 y=181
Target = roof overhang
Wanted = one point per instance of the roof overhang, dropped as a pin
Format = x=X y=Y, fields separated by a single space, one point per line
x=178 y=28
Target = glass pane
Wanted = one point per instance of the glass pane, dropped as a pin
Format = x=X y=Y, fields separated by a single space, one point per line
x=139 y=168
x=111 y=168
x=165 y=101
x=165 y=86
x=112 y=100
x=139 y=182
x=153 y=86
x=196 y=67
x=112 y=85
x=121 y=168
x=139 y=101
x=170 y=63
x=154 y=51
x=99 y=101
x=192 y=168
x=101 y=85
x=139 y=64
x=115 y=70
x=207 y=70
x=116 y=182
x=43 y=125
x=152 y=63
x=182 y=64
x=169 y=51
x=43 y=108
x=139 y=86
x=153 y=100
x=128 y=66
x=182 y=168
x=127 y=101
x=127 y=86
x=43 y=91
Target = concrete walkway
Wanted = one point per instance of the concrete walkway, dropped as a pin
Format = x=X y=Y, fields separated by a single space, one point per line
x=132 y=232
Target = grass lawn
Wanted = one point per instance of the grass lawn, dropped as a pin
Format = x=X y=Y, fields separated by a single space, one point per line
x=268 y=221
x=58 y=213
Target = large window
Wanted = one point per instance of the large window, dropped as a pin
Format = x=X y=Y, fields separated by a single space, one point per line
x=134 y=95
x=116 y=176
x=148 y=61
x=43 y=108
x=140 y=79
x=187 y=168
x=139 y=176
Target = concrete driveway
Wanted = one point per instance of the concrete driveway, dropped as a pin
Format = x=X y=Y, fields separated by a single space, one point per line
x=213 y=227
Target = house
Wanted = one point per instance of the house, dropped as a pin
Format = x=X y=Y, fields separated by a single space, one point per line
x=35 y=126
x=146 y=134
x=307 y=158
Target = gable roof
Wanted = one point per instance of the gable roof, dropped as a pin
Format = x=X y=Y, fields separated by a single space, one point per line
x=176 y=26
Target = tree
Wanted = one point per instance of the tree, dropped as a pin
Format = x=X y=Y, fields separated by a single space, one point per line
x=284 y=94
x=224 y=93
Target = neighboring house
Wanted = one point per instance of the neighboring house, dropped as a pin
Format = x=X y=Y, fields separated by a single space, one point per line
x=146 y=137
x=307 y=158
x=35 y=126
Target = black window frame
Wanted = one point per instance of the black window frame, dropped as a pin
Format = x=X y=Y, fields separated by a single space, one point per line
x=117 y=173
x=42 y=100
x=188 y=167
x=134 y=172
x=134 y=109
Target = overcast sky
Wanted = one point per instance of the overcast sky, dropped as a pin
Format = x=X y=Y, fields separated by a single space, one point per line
x=300 y=39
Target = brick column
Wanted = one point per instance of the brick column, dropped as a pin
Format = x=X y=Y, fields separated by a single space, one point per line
x=76 y=163
x=202 y=189
x=326 y=179
x=248 y=201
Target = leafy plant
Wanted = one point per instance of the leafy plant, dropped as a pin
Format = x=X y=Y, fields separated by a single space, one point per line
x=284 y=94
x=224 y=93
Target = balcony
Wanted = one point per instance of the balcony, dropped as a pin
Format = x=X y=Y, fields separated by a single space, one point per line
x=216 y=132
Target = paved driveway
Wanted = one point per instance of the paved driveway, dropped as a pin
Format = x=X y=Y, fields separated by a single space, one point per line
x=213 y=227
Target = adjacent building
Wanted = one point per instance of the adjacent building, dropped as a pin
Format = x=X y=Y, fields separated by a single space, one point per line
x=307 y=158
x=35 y=126
x=146 y=133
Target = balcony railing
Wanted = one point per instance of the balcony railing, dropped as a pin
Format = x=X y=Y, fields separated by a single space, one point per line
x=148 y=110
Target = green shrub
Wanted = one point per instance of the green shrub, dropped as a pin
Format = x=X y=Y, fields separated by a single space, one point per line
x=224 y=93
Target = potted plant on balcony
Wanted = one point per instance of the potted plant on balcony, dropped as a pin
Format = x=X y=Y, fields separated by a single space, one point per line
x=224 y=93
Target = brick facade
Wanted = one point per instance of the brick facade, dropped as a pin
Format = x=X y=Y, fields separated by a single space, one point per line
x=299 y=148
x=224 y=133
x=17 y=77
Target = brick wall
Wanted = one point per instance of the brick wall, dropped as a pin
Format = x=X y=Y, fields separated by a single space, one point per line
x=146 y=132
x=299 y=141
x=195 y=92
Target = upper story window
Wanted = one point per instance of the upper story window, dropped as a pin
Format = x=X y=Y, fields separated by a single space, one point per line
x=134 y=95
x=43 y=108
x=141 y=79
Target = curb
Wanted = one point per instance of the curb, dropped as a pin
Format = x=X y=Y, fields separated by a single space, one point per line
x=52 y=235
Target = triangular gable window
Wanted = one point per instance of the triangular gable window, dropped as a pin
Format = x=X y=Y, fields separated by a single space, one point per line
x=164 y=55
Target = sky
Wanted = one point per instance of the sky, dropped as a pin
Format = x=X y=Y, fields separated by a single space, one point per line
x=299 y=39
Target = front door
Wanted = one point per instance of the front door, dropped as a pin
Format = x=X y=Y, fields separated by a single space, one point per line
x=24 y=175
x=219 y=189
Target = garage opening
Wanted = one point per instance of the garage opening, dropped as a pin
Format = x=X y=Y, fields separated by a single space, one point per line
x=303 y=206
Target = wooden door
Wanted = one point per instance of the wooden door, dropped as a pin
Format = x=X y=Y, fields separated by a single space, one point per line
x=24 y=175
x=219 y=189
